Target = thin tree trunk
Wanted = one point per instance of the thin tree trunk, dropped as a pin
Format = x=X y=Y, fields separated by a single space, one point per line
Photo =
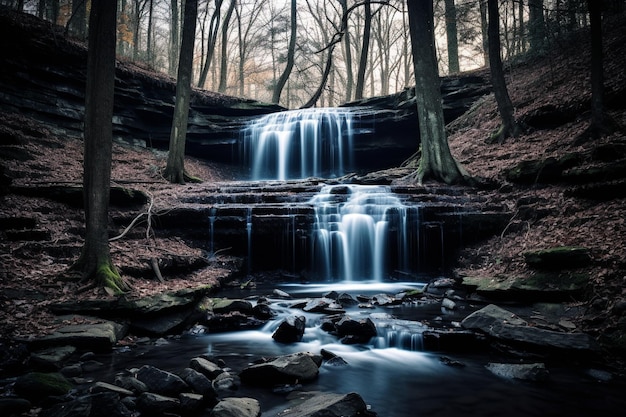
x=149 y=46
x=484 y=29
x=536 y=26
x=452 y=38
x=174 y=37
x=211 y=41
x=95 y=259
x=599 y=122
x=505 y=106
x=360 y=78
x=291 y=52
x=175 y=169
x=224 y=58
x=347 y=53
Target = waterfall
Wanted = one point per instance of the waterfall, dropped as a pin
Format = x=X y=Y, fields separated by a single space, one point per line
x=353 y=235
x=299 y=144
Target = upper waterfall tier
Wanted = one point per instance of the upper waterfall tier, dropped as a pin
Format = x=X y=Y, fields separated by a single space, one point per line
x=299 y=144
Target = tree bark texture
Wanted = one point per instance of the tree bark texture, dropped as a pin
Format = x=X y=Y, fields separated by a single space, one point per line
x=211 y=41
x=365 y=46
x=174 y=37
x=452 y=38
x=95 y=260
x=175 y=169
x=498 y=82
x=224 y=58
x=436 y=160
x=536 y=26
x=291 y=53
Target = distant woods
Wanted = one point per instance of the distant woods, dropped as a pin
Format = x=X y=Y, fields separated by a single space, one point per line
x=252 y=48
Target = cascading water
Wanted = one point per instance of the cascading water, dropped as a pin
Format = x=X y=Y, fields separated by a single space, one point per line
x=362 y=232
x=299 y=144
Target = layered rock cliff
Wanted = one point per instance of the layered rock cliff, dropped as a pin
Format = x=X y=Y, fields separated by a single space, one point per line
x=42 y=75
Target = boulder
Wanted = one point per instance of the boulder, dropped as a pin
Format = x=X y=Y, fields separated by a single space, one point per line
x=226 y=382
x=237 y=407
x=50 y=359
x=205 y=367
x=106 y=387
x=35 y=386
x=191 y=403
x=14 y=406
x=290 y=330
x=225 y=305
x=199 y=383
x=355 y=331
x=548 y=170
x=327 y=405
x=105 y=404
x=525 y=371
x=161 y=382
x=287 y=369
x=131 y=383
x=506 y=327
x=99 y=337
x=562 y=257
x=540 y=286
x=154 y=404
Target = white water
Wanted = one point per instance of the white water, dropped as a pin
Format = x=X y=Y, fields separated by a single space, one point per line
x=359 y=229
x=299 y=144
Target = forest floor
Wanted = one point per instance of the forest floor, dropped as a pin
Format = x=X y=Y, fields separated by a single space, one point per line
x=34 y=273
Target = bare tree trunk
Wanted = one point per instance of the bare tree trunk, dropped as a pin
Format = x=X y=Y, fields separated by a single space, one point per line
x=211 y=41
x=224 y=58
x=452 y=37
x=360 y=78
x=149 y=46
x=175 y=169
x=291 y=52
x=436 y=161
x=484 y=29
x=505 y=106
x=536 y=26
x=95 y=259
x=522 y=28
x=601 y=123
x=347 y=53
x=78 y=21
x=174 y=37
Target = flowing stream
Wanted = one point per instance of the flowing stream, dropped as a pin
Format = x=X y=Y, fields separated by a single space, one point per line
x=361 y=237
x=395 y=379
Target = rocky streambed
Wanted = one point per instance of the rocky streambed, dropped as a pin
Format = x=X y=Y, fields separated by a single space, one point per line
x=338 y=349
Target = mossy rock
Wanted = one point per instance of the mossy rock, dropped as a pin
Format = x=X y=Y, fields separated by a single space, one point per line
x=562 y=257
x=547 y=170
x=35 y=386
x=562 y=282
x=546 y=286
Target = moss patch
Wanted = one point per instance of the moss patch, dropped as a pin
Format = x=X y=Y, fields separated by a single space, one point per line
x=562 y=257
x=38 y=385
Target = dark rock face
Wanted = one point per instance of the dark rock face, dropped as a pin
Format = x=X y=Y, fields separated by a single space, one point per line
x=43 y=76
